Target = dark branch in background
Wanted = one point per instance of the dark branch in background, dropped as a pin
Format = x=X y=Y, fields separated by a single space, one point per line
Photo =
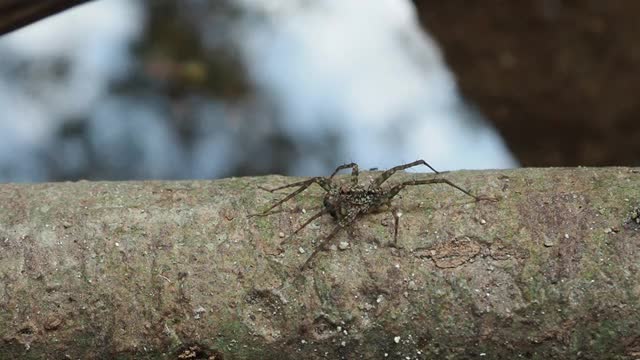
x=15 y=14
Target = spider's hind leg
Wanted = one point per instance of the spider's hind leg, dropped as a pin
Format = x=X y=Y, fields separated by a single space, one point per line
x=323 y=182
x=322 y=246
x=303 y=185
x=313 y=217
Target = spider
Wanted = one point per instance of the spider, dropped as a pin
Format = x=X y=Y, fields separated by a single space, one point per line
x=346 y=203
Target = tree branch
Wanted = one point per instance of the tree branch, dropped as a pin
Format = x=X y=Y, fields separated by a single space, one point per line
x=152 y=269
x=15 y=14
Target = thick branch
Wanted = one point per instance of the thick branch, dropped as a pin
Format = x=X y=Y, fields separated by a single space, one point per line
x=149 y=269
x=15 y=14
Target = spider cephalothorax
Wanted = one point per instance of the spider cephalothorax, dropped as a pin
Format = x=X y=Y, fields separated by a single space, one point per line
x=347 y=202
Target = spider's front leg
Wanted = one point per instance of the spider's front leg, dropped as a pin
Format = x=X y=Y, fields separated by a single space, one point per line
x=397 y=188
x=387 y=174
x=354 y=172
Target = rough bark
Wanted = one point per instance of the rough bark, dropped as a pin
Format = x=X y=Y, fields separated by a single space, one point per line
x=177 y=270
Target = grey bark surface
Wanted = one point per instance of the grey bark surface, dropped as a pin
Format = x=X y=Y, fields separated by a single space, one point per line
x=136 y=270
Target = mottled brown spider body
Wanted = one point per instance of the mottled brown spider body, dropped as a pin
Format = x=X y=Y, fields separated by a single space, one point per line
x=347 y=202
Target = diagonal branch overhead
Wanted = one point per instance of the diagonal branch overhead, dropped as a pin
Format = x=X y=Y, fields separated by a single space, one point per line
x=142 y=269
x=15 y=14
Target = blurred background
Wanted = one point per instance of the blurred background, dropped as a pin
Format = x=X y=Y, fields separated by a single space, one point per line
x=198 y=89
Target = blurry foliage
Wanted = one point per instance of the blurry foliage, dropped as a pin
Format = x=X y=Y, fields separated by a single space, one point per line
x=175 y=51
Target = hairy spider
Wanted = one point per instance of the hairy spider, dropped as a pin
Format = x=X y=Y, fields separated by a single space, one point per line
x=347 y=202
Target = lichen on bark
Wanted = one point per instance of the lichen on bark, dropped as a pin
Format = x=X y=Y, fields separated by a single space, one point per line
x=159 y=269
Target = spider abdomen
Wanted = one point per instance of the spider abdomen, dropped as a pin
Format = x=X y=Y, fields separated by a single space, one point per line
x=344 y=205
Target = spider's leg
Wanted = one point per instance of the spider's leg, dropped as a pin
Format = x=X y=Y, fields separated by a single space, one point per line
x=396 y=223
x=315 y=216
x=354 y=172
x=323 y=245
x=397 y=188
x=323 y=182
x=387 y=174
x=303 y=185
